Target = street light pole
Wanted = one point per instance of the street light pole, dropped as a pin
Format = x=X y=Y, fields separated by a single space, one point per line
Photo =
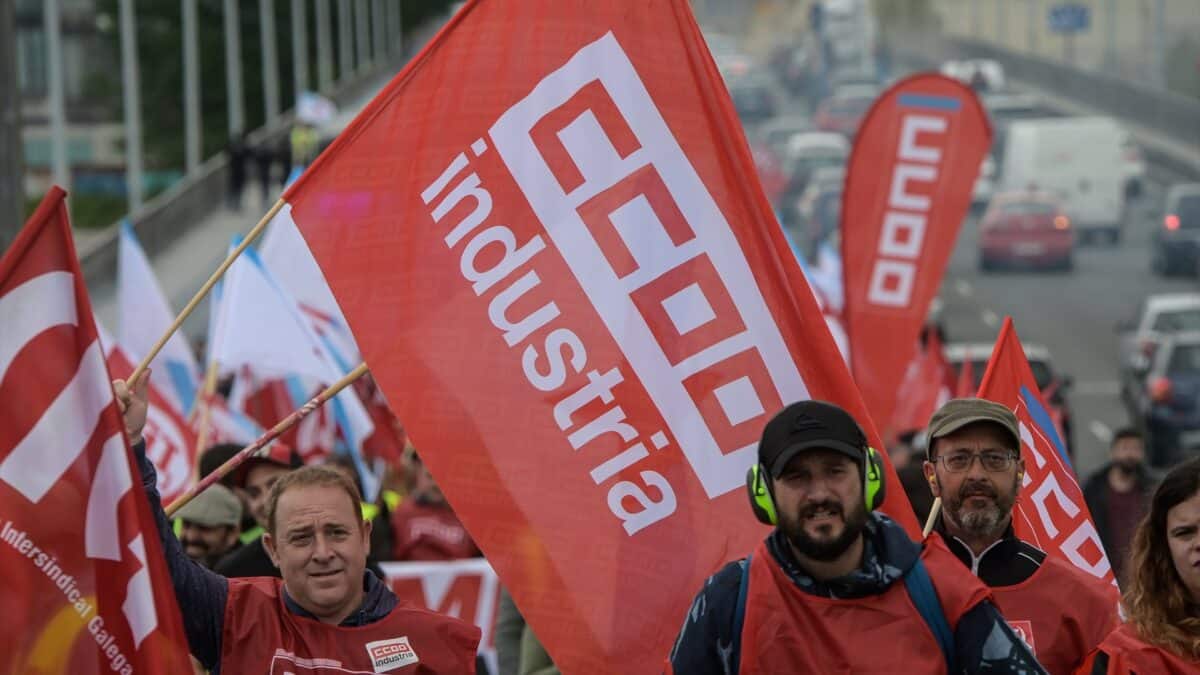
x=58 y=111
x=345 y=35
x=362 y=36
x=12 y=186
x=378 y=28
x=324 y=46
x=270 y=60
x=397 y=27
x=133 y=106
x=191 y=88
x=299 y=47
x=233 y=69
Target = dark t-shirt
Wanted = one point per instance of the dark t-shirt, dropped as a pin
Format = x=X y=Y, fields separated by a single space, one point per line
x=1125 y=511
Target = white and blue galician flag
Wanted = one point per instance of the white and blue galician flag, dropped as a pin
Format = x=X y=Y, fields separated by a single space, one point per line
x=260 y=325
x=287 y=255
x=145 y=315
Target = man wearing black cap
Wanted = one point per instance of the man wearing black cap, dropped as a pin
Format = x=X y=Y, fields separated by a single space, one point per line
x=838 y=587
x=1061 y=611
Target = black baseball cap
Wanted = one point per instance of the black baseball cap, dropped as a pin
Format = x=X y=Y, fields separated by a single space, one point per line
x=808 y=425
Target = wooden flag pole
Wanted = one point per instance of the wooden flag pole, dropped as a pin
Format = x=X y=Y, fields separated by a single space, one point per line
x=933 y=514
x=262 y=441
x=210 y=387
x=191 y=306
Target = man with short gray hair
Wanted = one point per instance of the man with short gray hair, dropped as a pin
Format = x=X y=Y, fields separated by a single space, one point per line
x=974 y=465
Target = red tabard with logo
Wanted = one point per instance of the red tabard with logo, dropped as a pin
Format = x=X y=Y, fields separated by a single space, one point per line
x=262 y=636
x=787 y=630
x=1127 y=653
x=1061 y=612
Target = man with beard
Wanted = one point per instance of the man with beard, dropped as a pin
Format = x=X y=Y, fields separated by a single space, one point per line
x=836 y=586
x=211 y=524
x=974 y=466
x=1118 y=496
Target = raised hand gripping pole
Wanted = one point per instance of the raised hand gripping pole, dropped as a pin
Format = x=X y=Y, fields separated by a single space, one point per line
x=262 y=441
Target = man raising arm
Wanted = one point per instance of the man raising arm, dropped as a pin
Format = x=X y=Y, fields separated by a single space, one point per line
x=326 y=607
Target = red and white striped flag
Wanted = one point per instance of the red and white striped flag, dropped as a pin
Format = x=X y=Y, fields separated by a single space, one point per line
x=85 y=586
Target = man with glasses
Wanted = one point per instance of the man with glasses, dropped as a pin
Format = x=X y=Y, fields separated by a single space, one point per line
x=974 y=466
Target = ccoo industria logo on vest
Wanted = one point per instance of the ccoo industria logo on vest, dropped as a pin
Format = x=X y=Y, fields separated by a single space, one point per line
x=391 y=654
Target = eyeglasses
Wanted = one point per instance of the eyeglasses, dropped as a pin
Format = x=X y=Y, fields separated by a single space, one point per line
x=995 y=462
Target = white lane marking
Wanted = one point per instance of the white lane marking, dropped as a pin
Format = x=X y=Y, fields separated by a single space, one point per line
x=963 y=287
x=1096 y=388
x=990 y=318
x=1101 y=431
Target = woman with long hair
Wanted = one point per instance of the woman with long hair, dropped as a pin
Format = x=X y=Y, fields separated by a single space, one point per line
x=1161 y=634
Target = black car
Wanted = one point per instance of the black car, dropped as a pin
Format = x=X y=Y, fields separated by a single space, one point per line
x=1177 y=240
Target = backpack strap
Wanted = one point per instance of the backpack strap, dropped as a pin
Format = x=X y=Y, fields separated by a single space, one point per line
x=920 y=589
x=739 y=618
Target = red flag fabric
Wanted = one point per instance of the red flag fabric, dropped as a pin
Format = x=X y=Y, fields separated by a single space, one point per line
x=170 y=441
x=965 y=387
x=548 y=241
x=270 y=401
x=1051 y=513
x=85 y=586
x=923 y=390
x=908 y=187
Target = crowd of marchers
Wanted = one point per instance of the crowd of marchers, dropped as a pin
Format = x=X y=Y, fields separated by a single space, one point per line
x=281 y=556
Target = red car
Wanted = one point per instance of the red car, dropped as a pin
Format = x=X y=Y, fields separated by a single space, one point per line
x=1028 y=229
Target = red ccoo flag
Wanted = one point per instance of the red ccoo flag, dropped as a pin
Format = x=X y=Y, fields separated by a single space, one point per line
x=1051 y=513
x=908 y=187
x=964 y=387
x=547 y=239
x=923 y=389
x=85 y=586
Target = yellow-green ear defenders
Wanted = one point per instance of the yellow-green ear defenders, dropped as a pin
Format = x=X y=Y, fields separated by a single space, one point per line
x=762 y=500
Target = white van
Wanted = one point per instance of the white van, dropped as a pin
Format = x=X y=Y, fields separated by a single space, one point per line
x=1078 y=159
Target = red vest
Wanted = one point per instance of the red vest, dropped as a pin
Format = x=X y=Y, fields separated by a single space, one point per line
x=262 y=636
x=1061 y=612
x=1127 y=653
x=787 y=630
x=425 y=532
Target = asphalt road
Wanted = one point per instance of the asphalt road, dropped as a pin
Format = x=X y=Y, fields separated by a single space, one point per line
x=1072 y=314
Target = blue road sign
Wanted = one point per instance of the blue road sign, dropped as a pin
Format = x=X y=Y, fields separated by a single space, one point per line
x=1069 y=18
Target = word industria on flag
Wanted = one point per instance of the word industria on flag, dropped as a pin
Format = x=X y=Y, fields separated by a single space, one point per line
x=596 y=263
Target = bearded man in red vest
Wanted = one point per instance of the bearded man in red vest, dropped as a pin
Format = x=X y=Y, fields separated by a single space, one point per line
x=1062 y=612
x=838 y=587
x=328 y=613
